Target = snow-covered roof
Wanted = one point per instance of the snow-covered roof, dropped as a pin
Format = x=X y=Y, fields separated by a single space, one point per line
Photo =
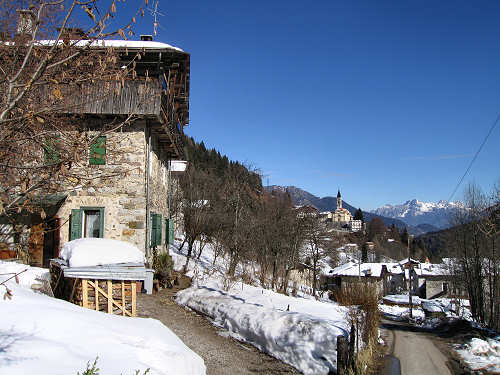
x=364 y=269
x=428 y=269
x=404 y=261
x=131 y=44
x=375 y=269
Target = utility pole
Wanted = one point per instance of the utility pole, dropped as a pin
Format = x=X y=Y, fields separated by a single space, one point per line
x=409 y=276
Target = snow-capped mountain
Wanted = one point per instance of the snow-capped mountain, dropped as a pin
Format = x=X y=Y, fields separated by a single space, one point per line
x=415 y=212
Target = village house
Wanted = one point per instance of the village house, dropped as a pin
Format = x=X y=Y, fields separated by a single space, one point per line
x=427 y=280
x=133 y=207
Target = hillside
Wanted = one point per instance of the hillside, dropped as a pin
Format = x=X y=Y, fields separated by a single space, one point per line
x=302 y=197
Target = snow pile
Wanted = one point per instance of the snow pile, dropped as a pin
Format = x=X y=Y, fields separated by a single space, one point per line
x=399 y=312
x=402 y=299
x=46 y=336
x=432 y=306
x=26 y=278
x=482 y=354
x=85 y=252
x=304 y=337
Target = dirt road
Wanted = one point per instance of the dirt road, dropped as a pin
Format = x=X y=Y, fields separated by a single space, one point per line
x=416 y=352
x=222 y=354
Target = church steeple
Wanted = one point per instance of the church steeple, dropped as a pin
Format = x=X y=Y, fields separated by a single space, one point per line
x=339 y=200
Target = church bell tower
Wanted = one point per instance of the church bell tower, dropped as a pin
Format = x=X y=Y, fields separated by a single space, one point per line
x=339 y=200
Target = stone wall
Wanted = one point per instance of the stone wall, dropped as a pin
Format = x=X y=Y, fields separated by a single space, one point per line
x=434 y=286
x=120 y=188
x=158 y=185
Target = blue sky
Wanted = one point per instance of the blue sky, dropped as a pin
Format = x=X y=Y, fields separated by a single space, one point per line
x=386 y=100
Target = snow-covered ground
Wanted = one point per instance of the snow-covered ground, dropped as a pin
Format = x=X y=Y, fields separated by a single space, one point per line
x=482 y=355
x=43 y=335
x=299 y=330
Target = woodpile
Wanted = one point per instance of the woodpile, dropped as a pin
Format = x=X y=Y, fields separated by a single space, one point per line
x=107 y=295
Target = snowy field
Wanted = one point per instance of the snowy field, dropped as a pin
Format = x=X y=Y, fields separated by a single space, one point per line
x=304 y=337
x=46 y=336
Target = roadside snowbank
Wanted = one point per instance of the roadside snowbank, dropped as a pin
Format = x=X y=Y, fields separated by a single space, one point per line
x=86 y=252
x=43 y=335
x=481 y=355
x=304 y=337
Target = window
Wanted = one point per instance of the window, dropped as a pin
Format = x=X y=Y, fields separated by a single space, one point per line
x=445 y=287
x=97 y=152
x=91 y=224
x=87 y=222
x=155 y=230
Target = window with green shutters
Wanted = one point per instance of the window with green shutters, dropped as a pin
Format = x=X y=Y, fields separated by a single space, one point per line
x=97 y=152
x=155 y=230
x=87 y=222
x=169 y=234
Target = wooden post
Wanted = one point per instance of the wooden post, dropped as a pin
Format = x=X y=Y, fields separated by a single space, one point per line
x=134 y=291
x=85 y=293
x=110 y=297
x=341 y=355
x=96 y=287
x=352 y=344
x=123 y=298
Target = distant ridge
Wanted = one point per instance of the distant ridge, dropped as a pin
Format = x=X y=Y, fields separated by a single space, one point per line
x=302 y=197
x=415 y=212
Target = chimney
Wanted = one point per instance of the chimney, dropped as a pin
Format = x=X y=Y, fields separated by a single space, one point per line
x=147 y=38
x=24 y=22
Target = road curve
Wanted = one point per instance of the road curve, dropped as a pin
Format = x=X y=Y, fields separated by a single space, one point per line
x=417 y=354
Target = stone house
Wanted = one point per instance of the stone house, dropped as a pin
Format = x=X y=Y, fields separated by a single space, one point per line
x=134 y=206
x=427 y=280
x=432 y=280
x=387 y=277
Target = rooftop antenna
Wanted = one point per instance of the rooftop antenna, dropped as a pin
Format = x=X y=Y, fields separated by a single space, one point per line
x=155 y=13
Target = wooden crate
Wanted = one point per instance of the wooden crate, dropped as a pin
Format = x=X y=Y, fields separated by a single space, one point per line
x=111 y=296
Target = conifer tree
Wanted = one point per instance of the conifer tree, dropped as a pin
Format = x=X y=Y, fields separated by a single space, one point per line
x=358 y=215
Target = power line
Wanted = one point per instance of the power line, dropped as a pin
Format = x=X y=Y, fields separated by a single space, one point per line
x=475 y=157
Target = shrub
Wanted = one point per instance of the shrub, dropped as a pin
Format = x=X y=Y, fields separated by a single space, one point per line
x=163 y=266
x=364 y=315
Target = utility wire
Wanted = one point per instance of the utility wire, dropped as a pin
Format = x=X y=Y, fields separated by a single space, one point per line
x=475 y=157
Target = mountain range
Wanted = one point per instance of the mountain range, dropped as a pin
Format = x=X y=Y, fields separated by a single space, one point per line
x=415 y=212
x=418 y=217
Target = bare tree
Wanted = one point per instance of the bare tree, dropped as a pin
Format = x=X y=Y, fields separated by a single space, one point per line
x=473 y=241
x=316 y=245
x=198 y=198
x=47 y=71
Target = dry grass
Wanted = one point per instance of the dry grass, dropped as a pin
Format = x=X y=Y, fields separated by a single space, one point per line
x=364 y=315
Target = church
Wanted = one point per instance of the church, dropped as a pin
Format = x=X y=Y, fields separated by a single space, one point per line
x=341 y=215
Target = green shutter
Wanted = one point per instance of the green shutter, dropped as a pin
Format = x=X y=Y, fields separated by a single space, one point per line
x=97 y=153
x=169 y=227
x=50 y=151
x=158 y=230
x=75 y=225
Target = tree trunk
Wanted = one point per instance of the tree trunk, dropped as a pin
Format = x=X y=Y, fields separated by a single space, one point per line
x=233 y=263
x=188 y=256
